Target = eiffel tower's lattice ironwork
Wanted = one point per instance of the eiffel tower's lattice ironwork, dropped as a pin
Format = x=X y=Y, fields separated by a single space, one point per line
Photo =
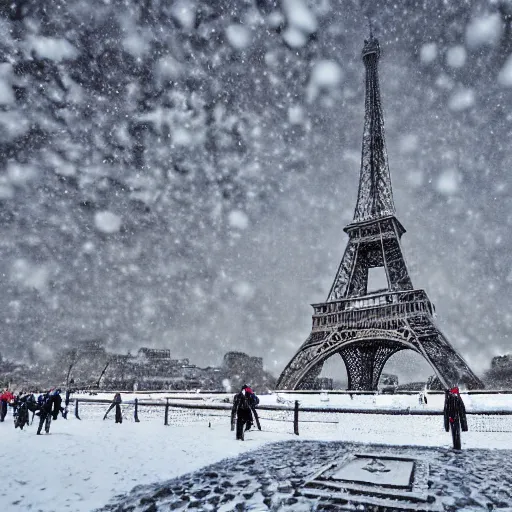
x=366 y=328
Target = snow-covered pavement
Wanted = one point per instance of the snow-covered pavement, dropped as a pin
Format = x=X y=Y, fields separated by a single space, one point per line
x=272 y=478
x=82 y=465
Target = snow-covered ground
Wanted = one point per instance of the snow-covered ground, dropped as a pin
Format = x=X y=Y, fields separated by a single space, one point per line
x=473 y=402
x=81 y=465
x=273 y=477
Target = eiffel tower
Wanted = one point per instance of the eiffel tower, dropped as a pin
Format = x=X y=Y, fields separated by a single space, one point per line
x=367 y=328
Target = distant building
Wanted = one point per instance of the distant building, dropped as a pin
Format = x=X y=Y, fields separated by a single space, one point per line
x=501 y=361
x=499 y=376
x=241 y=361
x=93 y=346
x=240 y=368
x=89 y=365
x=412 y=386
x=151 y=369
x=154 y=353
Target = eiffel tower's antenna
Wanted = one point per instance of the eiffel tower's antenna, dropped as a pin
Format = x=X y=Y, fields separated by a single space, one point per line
x=370 y=25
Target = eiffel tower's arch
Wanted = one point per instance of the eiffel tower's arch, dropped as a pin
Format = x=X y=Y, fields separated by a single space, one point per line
x=364 y=353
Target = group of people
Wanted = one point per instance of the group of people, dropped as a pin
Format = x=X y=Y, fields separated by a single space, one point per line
x=46 y=406
x=243 y=413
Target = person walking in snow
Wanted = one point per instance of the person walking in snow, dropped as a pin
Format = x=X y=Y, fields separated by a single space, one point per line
x=242 y=412
x=57 y=404
x=253 y=403
x=49 y=408
x=454 y=415
x=116 y=402
x=5 y=398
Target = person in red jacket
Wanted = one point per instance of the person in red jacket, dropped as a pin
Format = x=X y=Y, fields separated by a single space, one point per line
x=5 y=398
x=253 y=403
x=455 y=415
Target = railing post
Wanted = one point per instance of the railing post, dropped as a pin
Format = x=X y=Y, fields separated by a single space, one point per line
x=166 y=420
x=76 y=410
x=296 y=418
x=136 y=411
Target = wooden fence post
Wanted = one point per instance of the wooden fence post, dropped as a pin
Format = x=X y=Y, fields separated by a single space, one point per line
x=76 y=410
x=136 y=411
x=296 y=418
x=166 y=420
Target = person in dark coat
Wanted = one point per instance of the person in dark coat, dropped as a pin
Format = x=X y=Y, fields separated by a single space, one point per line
x=116 y=402
x=454 y=415
x=23 y=405
x=253 y=403
x=242 y=411
x=45 y=412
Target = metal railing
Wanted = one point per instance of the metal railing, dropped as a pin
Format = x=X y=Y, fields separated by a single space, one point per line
x=291 y=419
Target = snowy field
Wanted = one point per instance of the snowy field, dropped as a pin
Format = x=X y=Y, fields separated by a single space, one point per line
x=82 y=465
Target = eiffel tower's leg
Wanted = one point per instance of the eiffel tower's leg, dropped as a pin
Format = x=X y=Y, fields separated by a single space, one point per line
x=365 y=362
x=359 y=280
x=311 y=355
x=397 y=268
x=339 y=287
x=382 y=354
x=451 y=369
x=308 y=381
x=357 y=368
